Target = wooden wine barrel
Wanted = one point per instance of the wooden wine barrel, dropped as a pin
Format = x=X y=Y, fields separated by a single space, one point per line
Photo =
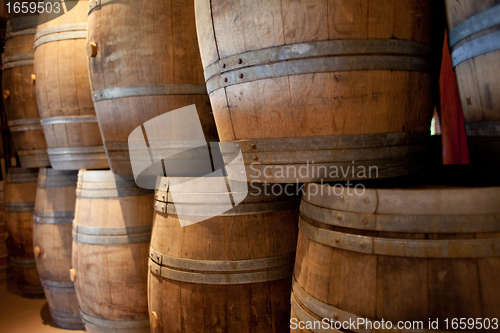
x=52 y=239
x=20 y=193
x=314 y=86
x=63 y=92
x=19 y=95
x=228 y=273
x=474 y=41
x=112 y=231
x=405 y=254
x=4 y=255
x=154 y=70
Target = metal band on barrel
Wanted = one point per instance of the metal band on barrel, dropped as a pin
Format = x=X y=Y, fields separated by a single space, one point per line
x=58 y=287
x=18 y=63
x=23 y=263
x=93 y=4
x=30 y=124
x=26 y=32
x=151 y=90
x=67 y=317
x=68 y=120
x=19 y=207
x=24 y=177
x=61 y=36
x=113 y=326
x=62 y=28
x=410 y=248
x=482 y=21
x=476 y=47
x=53 y=217
x=27 y=56
x=112 y=236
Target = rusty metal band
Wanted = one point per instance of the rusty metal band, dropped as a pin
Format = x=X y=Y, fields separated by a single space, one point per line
x=490 y=128
x=221 y=277
x=476 y=47
x=319 y=65
x=410 y=248
x=53 y=217
x=19 y=63
x=22 y=177
x=58 y=287
x=93 y=4
x=68 y=120
x=23 y=23
x=402 y=223
x=26 y=32
x=61 y=28
x=23 y=263
x=111 y=236
x=27 y=56
x=482 y=21
x=327 y=48
x=19 y=207
x=151 y=90
x=60 y=37
x=114 y=326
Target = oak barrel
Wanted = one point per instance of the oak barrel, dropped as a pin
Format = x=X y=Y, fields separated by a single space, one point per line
x=474 y=41
x=53 y=217
x=20 y=194
x=144 y=62
x=112 y=231
x=401 y=254
x=19 y=95
x=228 y=273
x=320 y=86
x=63 y=92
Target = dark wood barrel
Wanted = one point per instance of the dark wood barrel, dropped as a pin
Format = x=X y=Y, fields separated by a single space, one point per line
x=20 y=193
x=112 y=231
x=474 y=39
x=19 y=95
x=228 y=273
x=310 y=88
x=63 y=92
x=52 y=240
x=144 y=62
x=405 y=254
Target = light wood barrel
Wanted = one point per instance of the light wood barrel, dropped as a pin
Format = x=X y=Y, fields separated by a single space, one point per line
x=474 y=41
x=19 y=96
x=63 y=92
x=4 y=255
x=314 y=86
x=228 y=273
x=52 y=240
x=144 y=61
x=112 y=231
x=406 y=254
x=20 y=193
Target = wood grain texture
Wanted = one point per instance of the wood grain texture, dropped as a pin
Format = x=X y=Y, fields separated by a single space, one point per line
x=322 y=104
x=144 y=43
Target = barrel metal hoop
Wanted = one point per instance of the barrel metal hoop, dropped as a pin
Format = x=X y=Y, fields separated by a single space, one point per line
x=113 y=231
x=111 y=193
x=111 y=240
x=110 y=326
x=27 y=56
x=319 y=65
x=26 y=32
x=489 y=129
x=409 y=248
x=53 y=217
x=482 y=21
x=58 y=287
x=61 y=28
x=19 y=207
x=327 y=48
x=68 y=120
x=476 y=47
x=18 y=63
x=66 y=315
x=76 y=150
x=21 y=122
x=150 y=90
x=61 y=36
x=23 y=263
x=221 y=278
x=93 y=4
x=28 y=177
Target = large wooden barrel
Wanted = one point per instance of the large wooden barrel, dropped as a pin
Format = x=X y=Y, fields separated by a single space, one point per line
x=314 y=86
x=63 y=92
x=20 y=193
x=228 y=273
x=4 y=255
x=144 y=62
x=52 y=239
x=19 y=95
x=112 y=231
x=474 y=39
x=406 y=254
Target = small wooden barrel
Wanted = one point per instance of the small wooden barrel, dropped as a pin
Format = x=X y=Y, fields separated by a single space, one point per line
x=112 y=230
x=229 y=273
x=397 y=254
x=54 y=212
x=63 y=92
x=20 y=193
x=19 y=96
x=474 y=41
x=144 y=61
x=308 y=89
